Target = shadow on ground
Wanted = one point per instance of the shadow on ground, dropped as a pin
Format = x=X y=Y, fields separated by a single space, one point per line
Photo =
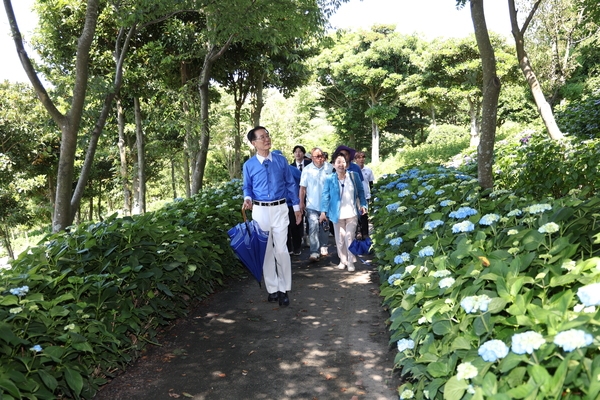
x=330 y=343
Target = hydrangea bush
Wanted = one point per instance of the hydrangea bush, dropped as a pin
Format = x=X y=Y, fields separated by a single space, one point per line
x=81 y=305
x=491 y=295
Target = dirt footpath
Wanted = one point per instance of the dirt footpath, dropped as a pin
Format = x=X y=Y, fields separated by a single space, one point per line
x=330 y=343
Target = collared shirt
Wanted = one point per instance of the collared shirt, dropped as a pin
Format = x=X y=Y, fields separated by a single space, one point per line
x=269 y=181
x=313 y=179
x=368 y=176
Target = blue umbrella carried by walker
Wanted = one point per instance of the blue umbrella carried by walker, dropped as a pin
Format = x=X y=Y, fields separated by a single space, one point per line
x=249 y=243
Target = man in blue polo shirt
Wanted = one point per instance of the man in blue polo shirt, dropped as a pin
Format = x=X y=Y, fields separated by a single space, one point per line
x=268 y=181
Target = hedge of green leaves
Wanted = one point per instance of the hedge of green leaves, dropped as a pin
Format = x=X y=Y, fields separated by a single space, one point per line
x=491 y=295
x=82 y=304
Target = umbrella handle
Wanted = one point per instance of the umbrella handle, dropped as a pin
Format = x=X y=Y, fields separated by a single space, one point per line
x=245 y=220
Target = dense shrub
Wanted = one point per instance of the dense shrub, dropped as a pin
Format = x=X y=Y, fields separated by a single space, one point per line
x=581 y=119
x=491 y=295
x=82 y=304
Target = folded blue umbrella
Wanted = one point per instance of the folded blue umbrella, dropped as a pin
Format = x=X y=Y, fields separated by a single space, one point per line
x=249 y=243
x=360 y=246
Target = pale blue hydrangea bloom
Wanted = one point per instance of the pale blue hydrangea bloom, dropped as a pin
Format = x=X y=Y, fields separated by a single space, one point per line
x=441 y=273
x=20 y=291
x=493 y=350
x=489 y=219
x=582 y=308
x=402 y=258
x=404 y=193
x=465 y=226
x=409 y=269
x=429 y=187
x=466 y=370
x=446 y=283
x=429 y=210
x=550 y=227
x=401 y=186
x=431 y=225
x=411 y=290
x=405 y=344
x=393 y=278
x=396 y=241
x=472 y=304
x=420 y=192
x=407 y=394
x=573 y=339
x=426 y=251
x=446 y=203
x=527 y=342
x=463 y=212
x=538 y=208
x=589 y=295
x=392 y=207
x=514 y=213
x=439 y=192
x=470 y=389
x=37 y=348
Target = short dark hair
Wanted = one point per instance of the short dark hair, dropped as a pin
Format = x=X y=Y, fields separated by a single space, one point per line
x=302 y=149
x=252 y=132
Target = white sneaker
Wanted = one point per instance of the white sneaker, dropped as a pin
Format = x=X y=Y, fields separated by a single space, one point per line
x=351 y=267
x=324 y=252
x=341 y=266
x=313 y=257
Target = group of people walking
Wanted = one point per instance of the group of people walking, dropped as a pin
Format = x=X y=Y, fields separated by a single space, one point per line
x=281 y=194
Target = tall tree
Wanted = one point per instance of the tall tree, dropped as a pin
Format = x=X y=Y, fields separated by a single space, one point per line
x=543 y=106
x=491 y=93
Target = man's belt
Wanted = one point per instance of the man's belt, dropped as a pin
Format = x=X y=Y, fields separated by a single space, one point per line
x=268 y=203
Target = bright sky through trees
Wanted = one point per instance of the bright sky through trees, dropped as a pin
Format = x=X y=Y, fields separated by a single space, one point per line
x=432 y=18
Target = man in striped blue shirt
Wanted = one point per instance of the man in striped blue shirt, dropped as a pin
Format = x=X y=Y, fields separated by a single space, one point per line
x=268 y=181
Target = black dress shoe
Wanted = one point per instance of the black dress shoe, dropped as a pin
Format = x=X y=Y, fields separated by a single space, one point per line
x=284 y=300
x=273 y=297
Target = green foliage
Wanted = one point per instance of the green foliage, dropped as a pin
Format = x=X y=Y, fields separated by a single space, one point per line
x=538 y=165
x=528 y=259
x=581 y=119
x=92 y=297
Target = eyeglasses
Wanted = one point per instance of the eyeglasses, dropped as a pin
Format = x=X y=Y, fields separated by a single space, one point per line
x=262 y=138
x=319 y=156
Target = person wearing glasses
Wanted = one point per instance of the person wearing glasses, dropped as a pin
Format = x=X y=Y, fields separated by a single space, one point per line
x=311 y=189
x=267 y=183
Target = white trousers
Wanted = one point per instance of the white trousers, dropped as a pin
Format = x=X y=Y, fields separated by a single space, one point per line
x=345 y=230
x=277 y=268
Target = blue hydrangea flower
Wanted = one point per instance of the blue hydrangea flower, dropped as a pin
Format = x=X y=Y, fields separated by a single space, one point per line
x=493 y=350
x=465 y=226
x=404 y=193
x=402 y=258
x=411 y=290
x=526 y=342
x=589 y=295
x=401 y=186
x=431 y=225
x=392 y=207
x=426 y=251
x=439 y=192
x=396 y=241
x=405 y=344
x=463 y=212
x=393 y=278
x=489 y=219
x=20 y=291
x=446 y=203
x=37 y=348
x=472 y=304
x=573 y=339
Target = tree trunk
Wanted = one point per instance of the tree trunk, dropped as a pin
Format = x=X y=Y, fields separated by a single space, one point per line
x=543 y=106
x=139 y=134
x=374 y=141
x=187 y=142
x=7 y=245
x=211 y=56
x=491 y=92
x=259 y=102
x=173 y=181
x=126 y=186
